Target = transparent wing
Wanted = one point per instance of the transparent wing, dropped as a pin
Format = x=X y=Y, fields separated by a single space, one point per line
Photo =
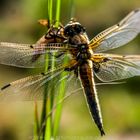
x=116 y=67
x=31 y=56
x=30 y=88
x=119 y=34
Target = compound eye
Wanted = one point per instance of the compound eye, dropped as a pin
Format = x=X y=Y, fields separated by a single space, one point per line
x=78 y=28
x=68 y=31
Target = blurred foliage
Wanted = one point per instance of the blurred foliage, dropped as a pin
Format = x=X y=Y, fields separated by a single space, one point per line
x=120 y=103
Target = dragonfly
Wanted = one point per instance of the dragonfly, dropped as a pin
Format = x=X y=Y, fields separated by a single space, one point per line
x=86 y=60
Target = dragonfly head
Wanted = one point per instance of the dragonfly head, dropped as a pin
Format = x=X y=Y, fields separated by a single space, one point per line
x=73 y=28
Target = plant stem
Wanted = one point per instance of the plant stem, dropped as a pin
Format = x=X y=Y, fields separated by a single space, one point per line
x=50 y=10
x=51 y=127
x=49 y=102
x=58 y=7
x=62 y=86
x=47 y=128
x=36 y=127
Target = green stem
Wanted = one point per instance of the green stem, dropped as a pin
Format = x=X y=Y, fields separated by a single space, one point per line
x=51 y=128
x=49 y=102
x=36 y=127
x=62 y=86
x=71 y=8
x=43 y=114
x=47 y=128
x=61 y=90
x=50 y=10
x=58 y=7
x=57 y=117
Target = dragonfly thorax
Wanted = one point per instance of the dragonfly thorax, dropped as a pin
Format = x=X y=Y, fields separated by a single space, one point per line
x=83 y=52
x=77 y=36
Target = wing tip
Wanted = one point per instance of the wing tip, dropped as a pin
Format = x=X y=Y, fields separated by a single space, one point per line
x=6 y=86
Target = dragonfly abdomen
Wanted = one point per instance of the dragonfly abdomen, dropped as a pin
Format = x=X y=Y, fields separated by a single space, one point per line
x=86 y=77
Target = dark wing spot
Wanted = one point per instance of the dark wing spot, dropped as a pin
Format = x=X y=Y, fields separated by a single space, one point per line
x=43 y=73
x=31 y=46
x=6 y=86
x=106 y=59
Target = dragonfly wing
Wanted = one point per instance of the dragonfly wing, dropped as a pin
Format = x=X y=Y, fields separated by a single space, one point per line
x=119 y=34
x=11 y=54
x=29 y=88
x=117 y=67
x=31 y=56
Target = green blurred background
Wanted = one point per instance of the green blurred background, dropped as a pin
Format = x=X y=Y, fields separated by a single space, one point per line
x=120 y=103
